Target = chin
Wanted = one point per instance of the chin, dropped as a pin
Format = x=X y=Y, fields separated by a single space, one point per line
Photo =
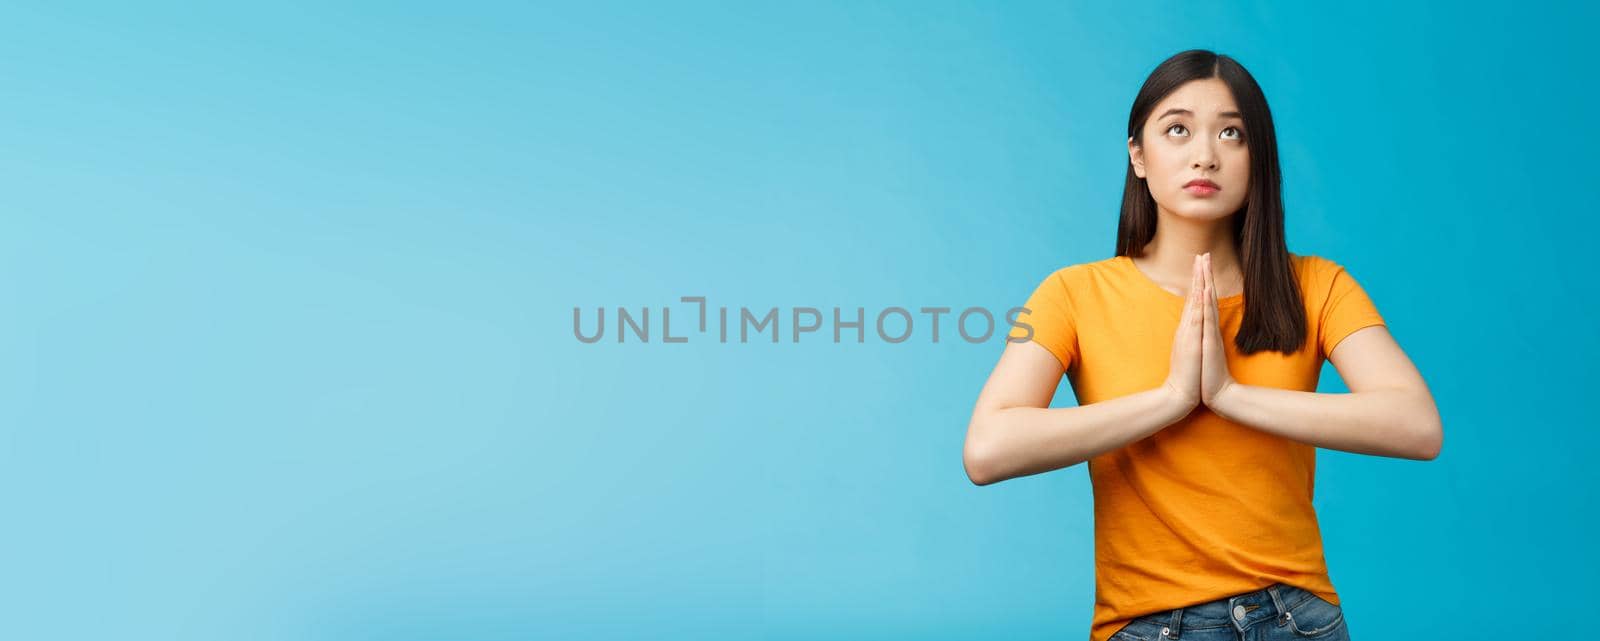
x=1204 y=211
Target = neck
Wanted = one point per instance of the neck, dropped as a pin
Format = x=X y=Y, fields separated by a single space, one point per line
x=1177 y=240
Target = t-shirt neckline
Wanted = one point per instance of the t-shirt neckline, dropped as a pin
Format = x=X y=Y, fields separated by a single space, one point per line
x=1152 y=285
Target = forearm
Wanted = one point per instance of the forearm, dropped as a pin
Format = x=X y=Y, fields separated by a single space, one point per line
x=1390 y=422
x=1020 y=441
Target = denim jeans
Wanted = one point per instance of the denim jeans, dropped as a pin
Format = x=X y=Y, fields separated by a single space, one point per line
x=1276 y=613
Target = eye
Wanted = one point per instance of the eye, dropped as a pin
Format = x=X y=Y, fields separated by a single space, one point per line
x=1236 y=130
x=1177 y=126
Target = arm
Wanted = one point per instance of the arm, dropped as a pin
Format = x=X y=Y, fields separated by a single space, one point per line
x=1014 y=432
x=1388 y=411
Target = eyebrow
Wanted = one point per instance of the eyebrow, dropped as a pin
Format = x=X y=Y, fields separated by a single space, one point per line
x=1186 y=112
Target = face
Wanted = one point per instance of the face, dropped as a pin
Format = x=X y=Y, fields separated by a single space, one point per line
x=1196 y=132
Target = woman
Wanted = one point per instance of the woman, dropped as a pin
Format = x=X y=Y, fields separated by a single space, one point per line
x=1194 y=353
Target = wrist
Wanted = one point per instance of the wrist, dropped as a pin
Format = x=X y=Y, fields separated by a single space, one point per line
x=1222 y=402
x=1178 y=401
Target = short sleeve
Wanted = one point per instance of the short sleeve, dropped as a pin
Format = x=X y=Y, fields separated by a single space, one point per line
x=1046 y=319
x=1345 y=309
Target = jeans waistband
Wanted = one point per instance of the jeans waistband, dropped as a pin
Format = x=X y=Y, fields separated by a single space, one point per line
x=1241 y=611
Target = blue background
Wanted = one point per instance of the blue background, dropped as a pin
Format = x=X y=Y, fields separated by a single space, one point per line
x=288 y=347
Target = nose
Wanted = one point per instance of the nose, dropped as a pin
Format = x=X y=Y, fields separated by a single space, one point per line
x=1205 y=157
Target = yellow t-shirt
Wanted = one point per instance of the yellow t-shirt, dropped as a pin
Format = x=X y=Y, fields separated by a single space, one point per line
x=1205 y=508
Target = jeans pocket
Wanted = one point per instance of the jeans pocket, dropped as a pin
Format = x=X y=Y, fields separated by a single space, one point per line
x=1316 y=618
x=1137 y=630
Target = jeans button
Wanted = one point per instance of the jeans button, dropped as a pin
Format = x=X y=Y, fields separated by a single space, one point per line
x=1238 y=612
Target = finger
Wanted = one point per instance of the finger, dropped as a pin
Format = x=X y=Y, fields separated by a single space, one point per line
x=1211 y=279
x=1188 y=298
x=1211 y=303
x=1196 y=291
x=1211 y=312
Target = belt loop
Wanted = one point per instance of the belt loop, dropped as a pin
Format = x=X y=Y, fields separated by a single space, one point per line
x=1283 y=613
x=1177 y=623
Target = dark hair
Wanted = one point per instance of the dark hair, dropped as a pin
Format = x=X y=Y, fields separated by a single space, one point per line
x=1274 y=315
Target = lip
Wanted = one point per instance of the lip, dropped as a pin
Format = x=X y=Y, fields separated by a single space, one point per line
x=1201 y=187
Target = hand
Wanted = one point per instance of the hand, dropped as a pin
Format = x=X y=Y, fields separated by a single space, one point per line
x=1214 y=375
x=1183 y=376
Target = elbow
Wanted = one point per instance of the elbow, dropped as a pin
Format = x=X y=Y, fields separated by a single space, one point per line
x=976 y=464
x=975 y=458
x=976 y=478
x=1431 y=440
x=1431 y=446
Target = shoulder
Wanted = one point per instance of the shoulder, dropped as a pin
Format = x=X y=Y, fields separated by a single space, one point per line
x=1317 y=263
x=1065 y=282
x=1313 y=269
x=1311 y=263
x=1084 y=271
x=1324 y=281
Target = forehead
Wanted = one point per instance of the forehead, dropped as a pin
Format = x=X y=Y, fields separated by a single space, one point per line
x=1206 y=98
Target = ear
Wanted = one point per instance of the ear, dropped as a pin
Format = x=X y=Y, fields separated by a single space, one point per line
x=1136 y=156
